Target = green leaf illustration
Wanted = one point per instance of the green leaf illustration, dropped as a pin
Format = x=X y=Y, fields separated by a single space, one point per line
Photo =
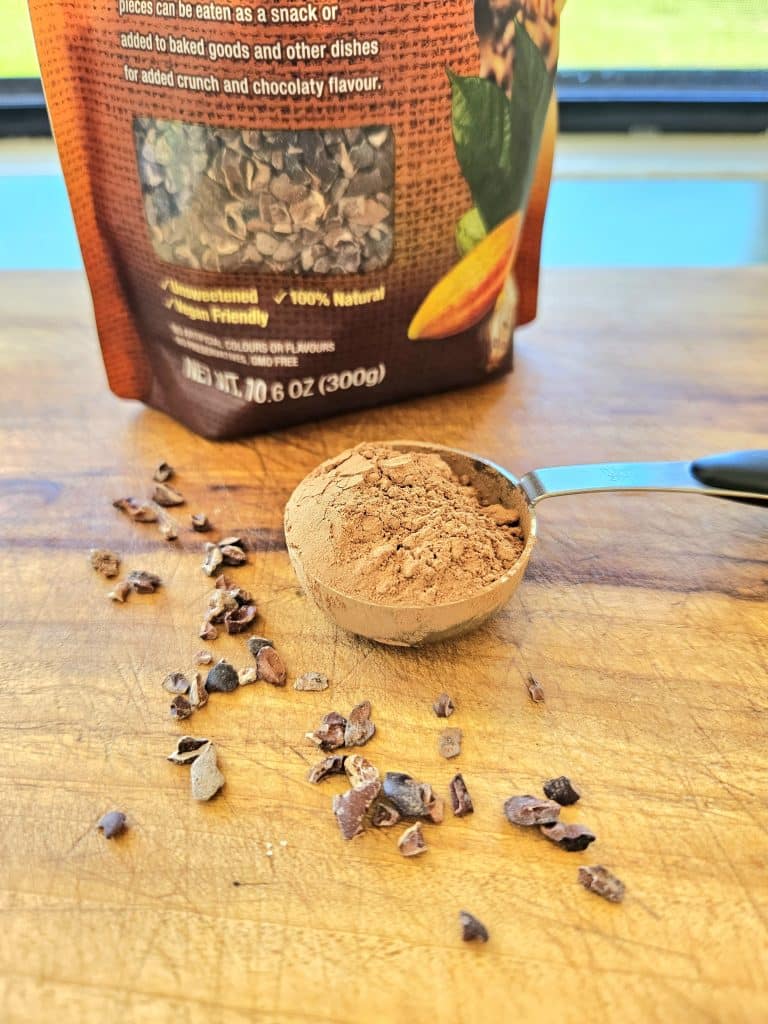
x=497 y=139
x=469 y=231
x=531 y=91
x=482 y=138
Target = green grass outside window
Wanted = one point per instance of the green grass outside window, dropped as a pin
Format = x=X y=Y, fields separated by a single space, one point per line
x=595 y=34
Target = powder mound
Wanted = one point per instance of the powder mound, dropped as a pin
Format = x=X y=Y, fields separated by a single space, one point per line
x=400 y=528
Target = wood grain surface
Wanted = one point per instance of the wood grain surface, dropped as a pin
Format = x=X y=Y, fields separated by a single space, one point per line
x=644 y=618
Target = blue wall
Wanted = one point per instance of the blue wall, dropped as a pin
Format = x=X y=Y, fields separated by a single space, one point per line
x=609 y=222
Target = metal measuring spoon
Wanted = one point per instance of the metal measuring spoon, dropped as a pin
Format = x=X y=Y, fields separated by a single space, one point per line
x=739 y=476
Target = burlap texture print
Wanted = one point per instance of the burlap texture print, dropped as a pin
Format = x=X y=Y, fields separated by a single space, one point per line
x=287 y=334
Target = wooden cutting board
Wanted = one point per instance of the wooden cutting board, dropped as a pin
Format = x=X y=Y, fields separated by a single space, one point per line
x=644 y=619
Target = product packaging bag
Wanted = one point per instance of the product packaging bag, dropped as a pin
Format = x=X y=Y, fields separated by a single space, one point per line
x=288 y=209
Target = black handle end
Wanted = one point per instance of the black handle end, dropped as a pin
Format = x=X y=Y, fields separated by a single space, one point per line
x=735 y=471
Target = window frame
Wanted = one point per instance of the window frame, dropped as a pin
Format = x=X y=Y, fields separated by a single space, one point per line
x=589 y=100
x=22 y=108
x=663 y=100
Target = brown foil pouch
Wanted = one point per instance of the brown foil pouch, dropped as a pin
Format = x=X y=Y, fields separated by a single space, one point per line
x=290 y=209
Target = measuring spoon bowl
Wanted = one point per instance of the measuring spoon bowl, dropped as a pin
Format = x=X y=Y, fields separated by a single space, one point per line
x=739 y=476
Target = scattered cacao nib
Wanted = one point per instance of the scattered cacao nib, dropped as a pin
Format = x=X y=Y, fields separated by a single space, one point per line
x=233 y=592
x=449 y=743
x=187 y=743
x=333 y=765
x=531 y=810
x=561 y=790
x=168 y=527
x=603 y=882
x=270 y=667
x=203 y=658
x=198 y=695
x=571 y=838
x=412 y=799
x=359 y=728
x=206 y=778
x=232 y=555
x=166 y=496
x=163 y=473
x=255 y=644
x=200 y=522
x=444 y=706
x=121 y=591
x=222 y=678
x=213 y=559
x=435 y=808
x=360 y=770
x=180 y=707
x=311 y=682
x=535 y=690
x=208 y=631
x=351 y=807
x=461 y=801
x=112 y=824
x=138 y=511
x=144 y=582
x=176 y=682
x=219 y=603
x=106 y=562
x=330 y=733
x=232 y=542
x=188 y=749
x=240 y=618
x=384 y=814
x=249 y=675
x=411 y=843
x=471 y=928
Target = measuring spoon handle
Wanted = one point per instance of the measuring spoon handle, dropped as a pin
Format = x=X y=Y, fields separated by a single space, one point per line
x=739 y=476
